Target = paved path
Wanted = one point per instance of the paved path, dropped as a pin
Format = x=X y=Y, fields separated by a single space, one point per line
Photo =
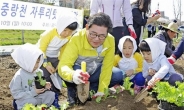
x=7 y=50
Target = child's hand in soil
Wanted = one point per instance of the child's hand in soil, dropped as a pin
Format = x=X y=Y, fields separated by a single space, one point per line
x=39 y=91
x=129 y=72
x=50 y=68
x=48 y=85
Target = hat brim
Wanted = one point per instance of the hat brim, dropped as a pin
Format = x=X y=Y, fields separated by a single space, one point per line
x=170 y=29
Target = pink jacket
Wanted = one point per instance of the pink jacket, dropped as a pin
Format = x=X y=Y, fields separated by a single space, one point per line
x=115 y=9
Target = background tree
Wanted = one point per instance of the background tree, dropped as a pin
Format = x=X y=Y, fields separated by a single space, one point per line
x=82 y=4
x=177 y=9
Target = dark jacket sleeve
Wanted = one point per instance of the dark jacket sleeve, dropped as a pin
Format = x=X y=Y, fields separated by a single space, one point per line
x=180 y=49
x=137 y=17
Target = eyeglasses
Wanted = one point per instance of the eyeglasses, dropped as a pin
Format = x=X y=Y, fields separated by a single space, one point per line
x=101 y=36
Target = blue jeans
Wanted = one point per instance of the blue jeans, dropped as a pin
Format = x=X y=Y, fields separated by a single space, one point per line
x=117 y=78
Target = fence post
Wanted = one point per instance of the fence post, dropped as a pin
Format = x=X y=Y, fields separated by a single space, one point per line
x=23 y=37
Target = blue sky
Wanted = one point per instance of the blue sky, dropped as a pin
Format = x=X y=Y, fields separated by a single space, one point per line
x=167 y=6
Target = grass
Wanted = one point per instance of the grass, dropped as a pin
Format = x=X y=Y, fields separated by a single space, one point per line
x=14 y=37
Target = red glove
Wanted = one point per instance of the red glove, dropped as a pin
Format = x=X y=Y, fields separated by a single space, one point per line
x=157 y=12
x=132 y=31
x=171 y=60
x=85 y=76
x=80 y=77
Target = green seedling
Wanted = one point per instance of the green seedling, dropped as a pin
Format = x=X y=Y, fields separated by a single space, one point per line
x=29 y=106
x=127 y=85
x=118 y=90
x=91 y=93
x=106 y=93
x=98 y=99
x=64 y=106
x=105 y=96
x=41 y=107
x=40 y=79
x=53 y=108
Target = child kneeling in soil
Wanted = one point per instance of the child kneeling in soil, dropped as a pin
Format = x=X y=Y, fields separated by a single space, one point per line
x=29 y=58
x=130 y=62
x=52 y=43
x=155 y=65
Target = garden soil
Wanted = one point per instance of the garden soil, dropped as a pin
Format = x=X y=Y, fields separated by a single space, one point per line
x=124 y=100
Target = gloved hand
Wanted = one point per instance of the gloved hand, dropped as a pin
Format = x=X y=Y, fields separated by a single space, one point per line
x=80 y=77
x=156 y=12
x=171 y=60
x=85 y=77
x=132 y=31
x=98 y=94
x=153 y=81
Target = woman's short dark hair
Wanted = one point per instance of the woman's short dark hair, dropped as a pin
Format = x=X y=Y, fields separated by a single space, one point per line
x=144 y=47
x=72 y=26
x=100 y=19
x=145 y=4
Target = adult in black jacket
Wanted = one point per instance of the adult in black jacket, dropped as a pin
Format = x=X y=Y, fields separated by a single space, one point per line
x=139 y=10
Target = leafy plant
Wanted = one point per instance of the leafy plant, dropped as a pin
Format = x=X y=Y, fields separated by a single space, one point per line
x=118 y=90
x=171 y=94
x=64 y=106
x=104 y=97
x=40 y=78
x=91 y=93
x=29 y=106
x=127 y=85
x=106 y=93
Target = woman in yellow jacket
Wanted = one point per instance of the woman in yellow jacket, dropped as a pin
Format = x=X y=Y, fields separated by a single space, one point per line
x=130 y=62
x=52 y=43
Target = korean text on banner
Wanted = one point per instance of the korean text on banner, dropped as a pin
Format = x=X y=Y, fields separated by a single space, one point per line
x=31 y=16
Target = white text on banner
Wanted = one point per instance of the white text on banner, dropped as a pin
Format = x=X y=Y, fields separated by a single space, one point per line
x=31 y=16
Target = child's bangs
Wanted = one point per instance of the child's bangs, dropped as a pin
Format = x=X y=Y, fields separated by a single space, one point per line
x=143 y=46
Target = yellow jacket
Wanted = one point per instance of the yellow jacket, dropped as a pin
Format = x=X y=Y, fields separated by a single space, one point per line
x=51 y=43
x=78 y=49
x=138 y=57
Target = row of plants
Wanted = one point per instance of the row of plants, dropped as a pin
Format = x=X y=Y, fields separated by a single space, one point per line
x=171 y=97
x=28 y=106
x=107 y=94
